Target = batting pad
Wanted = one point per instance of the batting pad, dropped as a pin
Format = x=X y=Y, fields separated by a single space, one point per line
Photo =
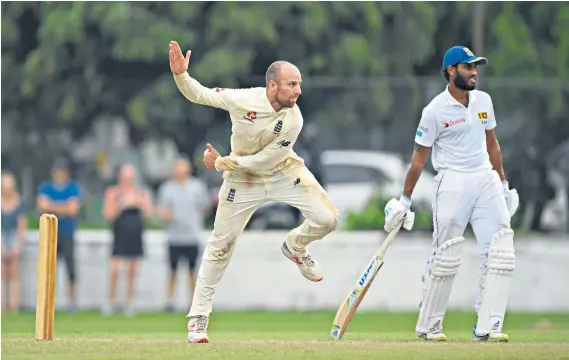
x=501 y=263
x=444 y=267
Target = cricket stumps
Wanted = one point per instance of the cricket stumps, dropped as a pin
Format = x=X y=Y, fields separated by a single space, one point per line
x=47 y=264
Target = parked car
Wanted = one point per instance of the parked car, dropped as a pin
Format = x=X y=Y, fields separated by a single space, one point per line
x=350 y=179
x=352 y=176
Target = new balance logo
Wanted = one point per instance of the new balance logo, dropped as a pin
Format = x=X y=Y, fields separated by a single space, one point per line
x=231 y=195
x=284 y=143
x=436 y=328
x=496 y=325
x=278 y=127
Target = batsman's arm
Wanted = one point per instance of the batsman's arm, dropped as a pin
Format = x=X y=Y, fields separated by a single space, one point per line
x=494 y=153
x=199 y=94
x=420 y=156
x=492 y=145
x=425 y=137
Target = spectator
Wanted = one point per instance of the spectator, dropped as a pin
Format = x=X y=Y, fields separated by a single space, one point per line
x=126 y=207
x=183 y=202
x=14 y=223
x=61 y=197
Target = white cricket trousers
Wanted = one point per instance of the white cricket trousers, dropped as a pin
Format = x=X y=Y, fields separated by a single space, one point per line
x=461 y=198
x=295 y=186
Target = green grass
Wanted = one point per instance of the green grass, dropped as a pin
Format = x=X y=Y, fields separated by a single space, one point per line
x=279 y=335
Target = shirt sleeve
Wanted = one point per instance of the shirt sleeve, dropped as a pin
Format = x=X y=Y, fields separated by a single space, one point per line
x=428 y=130
x=43 y=190
x=198 y=94
x=491 y=124
x=75 y=191
x=270 y=156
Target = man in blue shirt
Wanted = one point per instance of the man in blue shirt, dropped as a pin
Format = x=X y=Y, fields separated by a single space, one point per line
x=61 y=197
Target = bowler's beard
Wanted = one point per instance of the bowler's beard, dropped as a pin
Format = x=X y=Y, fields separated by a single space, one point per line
x=462 y=83
x=286 y=103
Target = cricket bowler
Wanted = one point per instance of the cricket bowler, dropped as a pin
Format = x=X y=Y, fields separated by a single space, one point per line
x=470 y=187
x=262 y=166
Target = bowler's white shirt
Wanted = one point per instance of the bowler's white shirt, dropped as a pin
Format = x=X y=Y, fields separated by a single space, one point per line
x=456 y=133
x=262 y=138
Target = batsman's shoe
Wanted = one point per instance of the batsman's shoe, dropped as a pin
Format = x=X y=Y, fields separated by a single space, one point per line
x=197 y=329
x=491 y=337
x=308 y=267
x=435 y=334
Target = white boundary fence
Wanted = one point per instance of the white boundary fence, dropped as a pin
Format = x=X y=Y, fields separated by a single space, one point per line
x=259 y=277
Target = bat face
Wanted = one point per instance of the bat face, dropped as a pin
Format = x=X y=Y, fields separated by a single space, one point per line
x=352 y=302
x=354 y=298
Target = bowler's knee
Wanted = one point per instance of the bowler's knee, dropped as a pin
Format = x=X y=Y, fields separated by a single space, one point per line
x=328 y=220
x=220 y=246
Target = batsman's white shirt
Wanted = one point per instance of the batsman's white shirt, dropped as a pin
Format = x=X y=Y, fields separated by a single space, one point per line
x=465 y=189
x=456 y=133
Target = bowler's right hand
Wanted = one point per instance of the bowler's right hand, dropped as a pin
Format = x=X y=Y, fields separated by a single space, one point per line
x=178 y=63
x=209 y=156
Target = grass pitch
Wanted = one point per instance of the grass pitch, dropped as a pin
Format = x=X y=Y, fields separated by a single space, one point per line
x=279 y=335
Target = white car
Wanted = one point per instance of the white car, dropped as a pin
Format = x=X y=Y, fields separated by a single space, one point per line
x=351 y=177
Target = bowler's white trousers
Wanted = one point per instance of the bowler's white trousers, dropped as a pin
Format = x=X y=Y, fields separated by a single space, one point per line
x=295 y=186
x=461 y=198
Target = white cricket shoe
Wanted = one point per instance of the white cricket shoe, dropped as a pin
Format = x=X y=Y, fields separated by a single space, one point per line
x=197 y=329
x=308 y=267
x=434 y=334
x=490 y=337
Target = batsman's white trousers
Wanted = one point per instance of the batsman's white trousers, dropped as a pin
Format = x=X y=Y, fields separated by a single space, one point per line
x=295 y=186
x=461 y=198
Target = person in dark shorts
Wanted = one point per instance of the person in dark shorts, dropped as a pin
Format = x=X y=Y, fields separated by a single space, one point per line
x=126 y=207
x=182 y=203
x=61 y=197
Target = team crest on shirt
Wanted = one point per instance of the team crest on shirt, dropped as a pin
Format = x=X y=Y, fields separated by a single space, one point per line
x=483 y=116
x=251 y=116
x=278 y=127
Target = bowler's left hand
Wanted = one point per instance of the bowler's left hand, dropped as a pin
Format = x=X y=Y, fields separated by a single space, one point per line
x=209 y=157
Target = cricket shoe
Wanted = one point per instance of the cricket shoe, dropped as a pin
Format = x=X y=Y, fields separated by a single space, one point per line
x=490 y=337
x=435 y=334
x=197 y=329
x=308 y=267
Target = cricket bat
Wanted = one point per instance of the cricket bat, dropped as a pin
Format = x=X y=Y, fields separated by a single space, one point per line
x=356 y=295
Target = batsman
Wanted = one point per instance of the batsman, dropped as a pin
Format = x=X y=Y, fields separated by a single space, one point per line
x=470 y=187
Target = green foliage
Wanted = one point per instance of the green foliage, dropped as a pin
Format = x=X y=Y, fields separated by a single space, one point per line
x=66 y=63
x=373 y=216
